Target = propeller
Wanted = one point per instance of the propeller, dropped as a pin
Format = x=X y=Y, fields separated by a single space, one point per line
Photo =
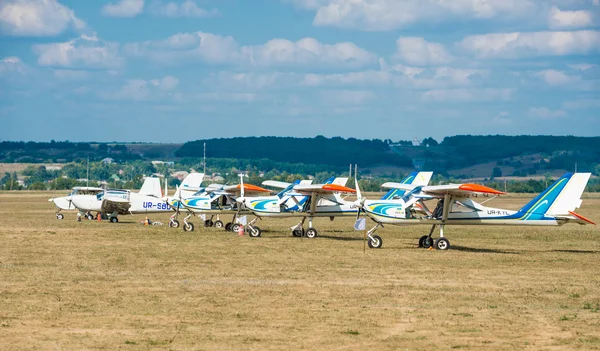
x=360 y=200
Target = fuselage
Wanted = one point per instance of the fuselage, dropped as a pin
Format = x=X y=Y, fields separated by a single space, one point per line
x=123 y=201
x=298 y=206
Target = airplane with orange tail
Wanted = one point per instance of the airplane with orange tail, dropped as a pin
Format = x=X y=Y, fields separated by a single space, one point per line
x=554 y=206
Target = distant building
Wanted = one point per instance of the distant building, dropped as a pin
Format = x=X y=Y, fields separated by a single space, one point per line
x=166 y=163
x=108 y=161
x=180 y=175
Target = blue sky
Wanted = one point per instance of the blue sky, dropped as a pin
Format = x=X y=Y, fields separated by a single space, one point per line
x=173 y=71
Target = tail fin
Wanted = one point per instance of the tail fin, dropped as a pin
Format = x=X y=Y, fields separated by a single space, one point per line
x=340 y=181
x=151 y=187
x=289 y=187
x=330 y=180
x=415 y=178
x=560 y=198
x=190 y=185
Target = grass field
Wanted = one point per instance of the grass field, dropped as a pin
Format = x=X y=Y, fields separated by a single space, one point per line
x=91 y=285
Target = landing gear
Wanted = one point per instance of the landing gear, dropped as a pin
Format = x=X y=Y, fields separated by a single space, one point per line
x=114 y=219
x=173 y=222
x=298 y=232
x=375 y=242
x=254 y=231
x=228 y=226
x=426 y=241
x=59 y=216
x=442 y=244
x=188 y=226
x=89 y=216
x=235 y=227
x=208 y=223
x=311 y=233
x=218 y=224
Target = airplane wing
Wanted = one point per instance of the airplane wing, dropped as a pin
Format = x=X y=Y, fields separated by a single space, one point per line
x=322 y=189
x=248 y=189
x=461 y=190
x=401 y=186
x=276 y=184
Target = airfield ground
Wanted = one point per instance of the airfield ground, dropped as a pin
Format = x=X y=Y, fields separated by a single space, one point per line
x=90 y=285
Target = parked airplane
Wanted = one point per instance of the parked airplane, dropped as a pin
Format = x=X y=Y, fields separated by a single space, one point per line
x=554 y=206
x=65 y=203
x=309 y=201
x=216 y=200
x=190 y=185
x=113 y=202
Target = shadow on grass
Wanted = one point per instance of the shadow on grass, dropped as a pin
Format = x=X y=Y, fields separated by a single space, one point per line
x=478 y=250
x=341 y=238
x=578 y=251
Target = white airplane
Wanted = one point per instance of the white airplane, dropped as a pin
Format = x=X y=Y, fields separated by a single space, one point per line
x=65 y=203
x=216 y=200
x=309 y=201
x=190 y=185
x=113 y=202
x=554 y=206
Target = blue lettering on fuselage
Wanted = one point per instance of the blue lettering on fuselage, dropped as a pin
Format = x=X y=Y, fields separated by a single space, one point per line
x=158 y=206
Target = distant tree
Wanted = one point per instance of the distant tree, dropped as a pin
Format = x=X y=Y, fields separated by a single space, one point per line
x=496 y=172
x=37 y=186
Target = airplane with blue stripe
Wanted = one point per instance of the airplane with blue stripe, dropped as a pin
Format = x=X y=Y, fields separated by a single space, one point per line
x=554 y=206
x=317 y=200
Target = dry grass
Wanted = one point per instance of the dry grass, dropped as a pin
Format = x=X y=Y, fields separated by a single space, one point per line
x=90 y=285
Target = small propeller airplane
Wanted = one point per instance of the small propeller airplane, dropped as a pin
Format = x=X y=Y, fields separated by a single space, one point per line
x=554 y=206
x=314 y=200
x=65 y=203
x=113 y=202
x=216 y=200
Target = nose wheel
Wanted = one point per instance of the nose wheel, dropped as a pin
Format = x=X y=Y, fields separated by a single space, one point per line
x=426 y=241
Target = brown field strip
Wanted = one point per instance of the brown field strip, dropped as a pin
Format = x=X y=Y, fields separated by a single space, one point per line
x=97 y=285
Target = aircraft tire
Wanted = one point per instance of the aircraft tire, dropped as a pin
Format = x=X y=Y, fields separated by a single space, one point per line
x=60 y=216
x=425 y=242
x=228 y=227
x=297 y=232
x=89 y=216
x=375 y=242
x=218 y=224
x=188 y=227
x=235 y=227
x=254 y=231
x=114 y=220
x=208 y=223
x=174 y=224
x=442 y=244
x=311 y=233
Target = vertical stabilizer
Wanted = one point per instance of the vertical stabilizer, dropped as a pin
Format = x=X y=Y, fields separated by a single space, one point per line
x=560 y=198
x=151 y=187
x=415 y=178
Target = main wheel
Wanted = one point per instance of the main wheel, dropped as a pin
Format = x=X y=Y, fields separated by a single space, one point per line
x=188 y=227
x=218 y=224
x=254 y=231
x=375 y=242
x=208 y=223
x=311 y=233
x=228 y=226
x=114 y=220
x=425 y=242
x=174 y=223
x=442 y=244
x=297 y=232
x=235 y=227
x=89 y=216
x=59 y=216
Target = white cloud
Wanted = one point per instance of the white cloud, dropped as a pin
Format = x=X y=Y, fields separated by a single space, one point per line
x=36 y=18
x=346 y=97
x=10 y=65
x=187 y=8
x=83 y=52
x=513 y=45
x=379 y=15
x=468 y=95
x=141 y=89
x=582 y=66
x=558 y=19
x=582 y=104
x=417 y=51
x=213 y=48
x=554 y=77
x=545 y=113
x=124 y=8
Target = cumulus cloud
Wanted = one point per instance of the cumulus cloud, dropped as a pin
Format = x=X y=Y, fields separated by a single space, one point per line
x=417 y=51
x=123 y=8
x=36 y=18
x=380 y=15
x=187 y=8
x=213 y=48
x=558 y=19
x=12 y=65
x=545 y=113
x=554 y=77
x=468 y=95
x=513 y=45
x=141 y=89
x=83 y=52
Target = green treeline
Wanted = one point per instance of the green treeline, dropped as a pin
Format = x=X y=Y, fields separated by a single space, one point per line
x=319 y=150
